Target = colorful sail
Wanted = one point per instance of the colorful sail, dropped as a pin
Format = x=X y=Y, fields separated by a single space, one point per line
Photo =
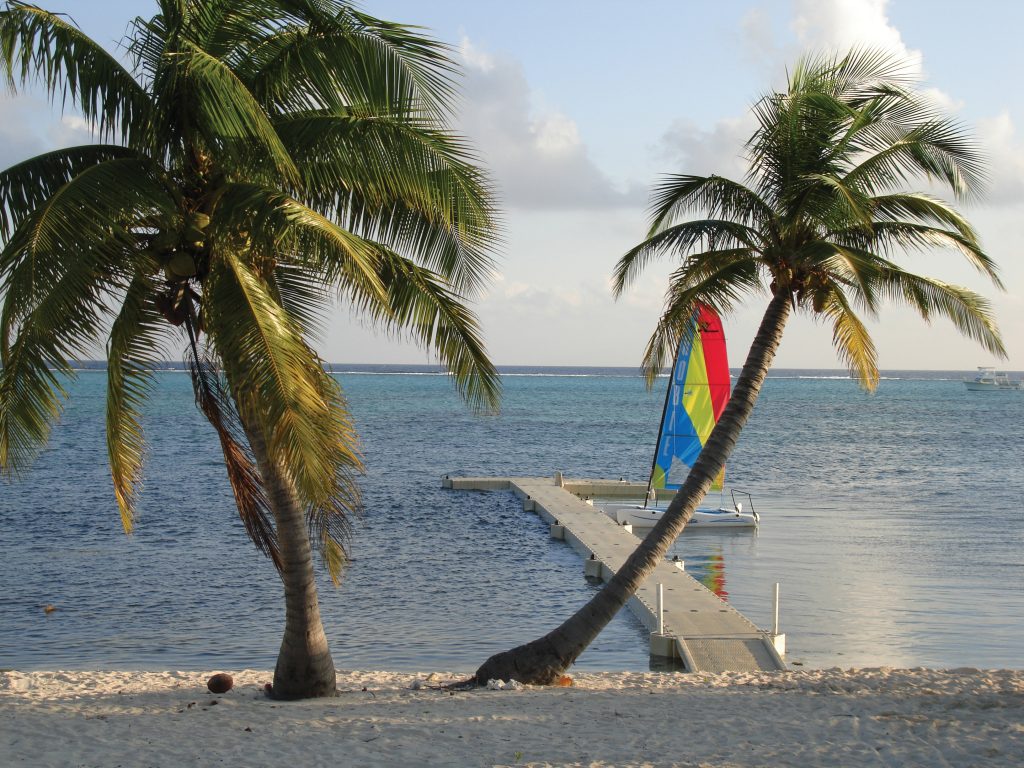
x=698 y=391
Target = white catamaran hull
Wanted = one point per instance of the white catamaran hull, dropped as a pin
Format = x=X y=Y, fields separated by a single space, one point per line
x=647 y=517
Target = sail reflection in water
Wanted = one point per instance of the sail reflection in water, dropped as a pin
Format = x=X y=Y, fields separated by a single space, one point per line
x=707 y=567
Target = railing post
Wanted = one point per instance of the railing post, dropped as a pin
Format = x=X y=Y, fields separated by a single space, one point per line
x=775 y=624
x=661 y=609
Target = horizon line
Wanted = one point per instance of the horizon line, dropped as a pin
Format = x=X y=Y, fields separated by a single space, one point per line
x=96 y=363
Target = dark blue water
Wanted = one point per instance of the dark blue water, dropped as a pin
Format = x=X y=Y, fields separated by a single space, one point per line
x=894 y=523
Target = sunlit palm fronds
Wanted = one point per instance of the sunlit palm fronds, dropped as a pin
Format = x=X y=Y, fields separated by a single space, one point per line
x=823 y=215
x=263 y=159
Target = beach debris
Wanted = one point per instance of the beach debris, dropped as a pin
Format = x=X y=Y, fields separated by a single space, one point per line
x=501 y=685
x=49 y=608
x=222 y=682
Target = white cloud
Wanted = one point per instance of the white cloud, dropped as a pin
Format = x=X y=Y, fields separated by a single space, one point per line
x=474 y=57
x=29 y=126
x=539 y=161
x=71 y=131
x=720 y=150
x=1006 y=159
x=760 y=46
x=843 y=24
x=942 y=101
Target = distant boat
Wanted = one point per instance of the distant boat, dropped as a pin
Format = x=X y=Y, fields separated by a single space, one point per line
x=698 y=391
x=988 y=379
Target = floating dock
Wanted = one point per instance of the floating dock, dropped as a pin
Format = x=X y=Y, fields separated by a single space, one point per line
x=699 y=629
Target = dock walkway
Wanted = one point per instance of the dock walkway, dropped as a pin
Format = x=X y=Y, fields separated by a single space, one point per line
x=700 y=629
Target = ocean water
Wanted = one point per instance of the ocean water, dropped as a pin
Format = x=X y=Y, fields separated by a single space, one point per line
x=893 y=522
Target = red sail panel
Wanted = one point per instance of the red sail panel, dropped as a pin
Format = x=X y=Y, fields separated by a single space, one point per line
x=712 y=337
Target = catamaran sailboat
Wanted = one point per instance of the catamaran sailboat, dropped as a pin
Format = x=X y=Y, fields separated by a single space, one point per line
x=698 y=390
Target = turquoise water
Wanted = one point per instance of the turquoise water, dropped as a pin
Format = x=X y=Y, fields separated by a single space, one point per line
x=894 y=523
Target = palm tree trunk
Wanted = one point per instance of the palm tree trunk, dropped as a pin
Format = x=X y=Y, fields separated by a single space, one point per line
x=304 y=668
x=543 y=661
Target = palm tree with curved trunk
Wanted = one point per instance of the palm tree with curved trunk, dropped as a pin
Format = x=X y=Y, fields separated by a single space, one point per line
x=817 y=225
x=255 y=162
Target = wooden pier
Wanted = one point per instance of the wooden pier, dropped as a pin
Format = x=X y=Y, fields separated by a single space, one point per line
x=699 y=629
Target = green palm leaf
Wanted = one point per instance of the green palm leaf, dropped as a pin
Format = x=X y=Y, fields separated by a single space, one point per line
x=134 y=347
x=823 y=216
x=229 y=117
x=711 y=234
x=26 y=186
x=275 y=378
x=421 y=302
x=401 y=182
x=277 y=154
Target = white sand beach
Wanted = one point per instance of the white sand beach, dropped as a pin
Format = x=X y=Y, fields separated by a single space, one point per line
x=868 y=717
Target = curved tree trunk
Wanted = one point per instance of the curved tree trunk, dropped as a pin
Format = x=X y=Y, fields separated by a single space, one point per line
x=304 y=668
x=544 y=660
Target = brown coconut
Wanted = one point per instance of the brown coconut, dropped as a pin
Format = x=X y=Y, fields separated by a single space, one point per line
x=222 y=682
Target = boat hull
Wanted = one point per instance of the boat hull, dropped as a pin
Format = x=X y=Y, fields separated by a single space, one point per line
x=984 y=386
x=991 y=380
x=639 y=516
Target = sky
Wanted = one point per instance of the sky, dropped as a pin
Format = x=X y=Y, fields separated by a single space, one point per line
x=577 y=107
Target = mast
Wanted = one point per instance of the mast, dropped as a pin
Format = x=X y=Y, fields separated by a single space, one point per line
x=661 y=425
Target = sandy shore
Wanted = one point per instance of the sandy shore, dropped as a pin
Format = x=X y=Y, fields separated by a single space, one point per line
x=869 y=717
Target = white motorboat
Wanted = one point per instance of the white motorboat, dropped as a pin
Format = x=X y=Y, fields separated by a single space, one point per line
x=988 y=379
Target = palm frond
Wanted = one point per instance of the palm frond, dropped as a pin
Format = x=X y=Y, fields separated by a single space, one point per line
x=717 y=279
x=134 y=346
x=970 y=313
x=715 y=197
x=851 y=339
x=937 y=149
x=279 y=226
x=335 y=56
x=87 y=224
x=42 y=332
x=277 y=380
x=681 y=239
x=330 y=520
x=251 y=499
x=421 y=302
x=58 y=272
x=229 y=116
x=892 y=236
x=399 y=181
x=26 y=186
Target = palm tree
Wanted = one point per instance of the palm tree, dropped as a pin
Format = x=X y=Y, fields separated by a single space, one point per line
x=816 y=226
x=258 y=160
